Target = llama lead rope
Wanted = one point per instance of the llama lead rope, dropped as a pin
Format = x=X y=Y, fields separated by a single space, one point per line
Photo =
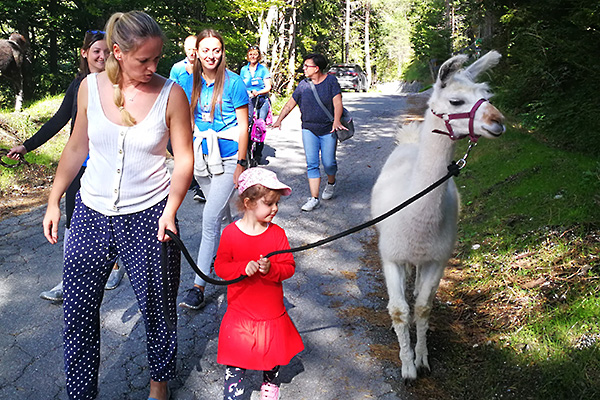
x=4 y=153
x=453 y=170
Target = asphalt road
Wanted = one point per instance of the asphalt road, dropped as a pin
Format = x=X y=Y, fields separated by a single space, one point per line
x=330 y=283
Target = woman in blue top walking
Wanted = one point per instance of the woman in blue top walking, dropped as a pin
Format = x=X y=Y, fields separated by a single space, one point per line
x=219 y=105
x=258 y=84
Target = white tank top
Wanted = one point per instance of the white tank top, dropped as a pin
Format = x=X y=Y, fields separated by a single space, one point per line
x=126 y=171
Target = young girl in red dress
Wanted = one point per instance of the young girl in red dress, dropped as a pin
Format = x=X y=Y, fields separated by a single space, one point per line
x=256 y=331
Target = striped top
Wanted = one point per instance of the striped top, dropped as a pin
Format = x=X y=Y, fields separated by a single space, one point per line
x=126 y=172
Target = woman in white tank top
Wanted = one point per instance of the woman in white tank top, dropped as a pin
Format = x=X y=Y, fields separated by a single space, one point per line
x=127 y=200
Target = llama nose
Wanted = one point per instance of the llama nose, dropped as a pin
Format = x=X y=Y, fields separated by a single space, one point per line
x=494 y=116
x=499 y=118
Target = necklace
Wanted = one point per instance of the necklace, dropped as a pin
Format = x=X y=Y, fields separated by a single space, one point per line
x=130 y=97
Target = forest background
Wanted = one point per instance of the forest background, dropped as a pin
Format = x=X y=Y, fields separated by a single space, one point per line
x=550 y=48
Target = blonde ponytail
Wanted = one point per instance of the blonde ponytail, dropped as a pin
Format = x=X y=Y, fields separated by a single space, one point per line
x=126 y=30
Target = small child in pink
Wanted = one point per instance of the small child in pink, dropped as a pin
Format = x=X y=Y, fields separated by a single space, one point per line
x=256 y=331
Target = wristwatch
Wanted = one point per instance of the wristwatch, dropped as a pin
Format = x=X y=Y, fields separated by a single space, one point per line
x=243 y=163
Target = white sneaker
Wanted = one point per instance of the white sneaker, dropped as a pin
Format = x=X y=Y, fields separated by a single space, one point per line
x=311 y=204
x=54 y=294
x=329 y=191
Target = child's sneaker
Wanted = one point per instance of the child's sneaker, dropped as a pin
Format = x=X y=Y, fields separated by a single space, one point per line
x=269 y=391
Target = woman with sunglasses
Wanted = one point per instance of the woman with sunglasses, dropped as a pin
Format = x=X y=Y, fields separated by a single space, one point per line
x=318 y=131
x=92 y=56
x=257 y=78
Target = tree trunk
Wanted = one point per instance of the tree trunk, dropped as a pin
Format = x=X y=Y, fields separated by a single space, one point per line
x=367 y=44
x=292 y=48
x=53 y=50
x=277 y=51
x=28 y=85
x=347 y=33
x=265 y=29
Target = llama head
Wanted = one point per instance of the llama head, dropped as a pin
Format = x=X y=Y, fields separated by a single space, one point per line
x=456 y=92
x=20 y=46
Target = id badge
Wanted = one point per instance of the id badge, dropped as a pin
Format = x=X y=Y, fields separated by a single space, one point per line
x=255 y=81
x=206 y=113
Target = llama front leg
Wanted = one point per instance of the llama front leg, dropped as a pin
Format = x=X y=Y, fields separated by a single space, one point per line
x=426 y=285
x=19 y=92
x=395 y=278
x=19 y=100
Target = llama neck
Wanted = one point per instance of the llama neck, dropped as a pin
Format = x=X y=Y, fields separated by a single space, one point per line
x=435 y=153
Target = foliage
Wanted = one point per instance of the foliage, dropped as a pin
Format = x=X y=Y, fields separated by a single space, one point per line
x=430 y=37
x=550 y=74
x=23 y=125
x=277 y=103
x=392 y=51
x=552 y=69
x=55 y=31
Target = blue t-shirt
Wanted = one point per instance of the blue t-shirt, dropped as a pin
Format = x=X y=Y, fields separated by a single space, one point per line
x=234 y=96
x=256 y=81
x=313 y=117
x=178 y=72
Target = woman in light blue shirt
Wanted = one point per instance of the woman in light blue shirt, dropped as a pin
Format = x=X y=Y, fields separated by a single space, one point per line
x=258 y=84
x=219 y=104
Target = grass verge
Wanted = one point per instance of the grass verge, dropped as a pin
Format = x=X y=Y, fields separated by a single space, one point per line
x=27 y=185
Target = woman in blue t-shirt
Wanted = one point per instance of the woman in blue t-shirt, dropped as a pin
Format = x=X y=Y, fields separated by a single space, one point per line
x=317 y=129
x=258 y=84
x=219 y=105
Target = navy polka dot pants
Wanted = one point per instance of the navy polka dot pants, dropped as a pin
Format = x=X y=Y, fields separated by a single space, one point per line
x=95 y=241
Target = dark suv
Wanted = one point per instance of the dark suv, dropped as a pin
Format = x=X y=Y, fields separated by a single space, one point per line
x=350 y=76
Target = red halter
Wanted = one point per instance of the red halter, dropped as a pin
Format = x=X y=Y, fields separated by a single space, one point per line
x=449 y=117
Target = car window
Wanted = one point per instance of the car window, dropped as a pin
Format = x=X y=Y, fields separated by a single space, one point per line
x=340 y=70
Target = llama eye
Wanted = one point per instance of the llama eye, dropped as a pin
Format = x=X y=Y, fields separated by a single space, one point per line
x=457 y=103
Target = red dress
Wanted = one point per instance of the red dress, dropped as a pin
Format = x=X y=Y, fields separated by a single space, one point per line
x=256 y=331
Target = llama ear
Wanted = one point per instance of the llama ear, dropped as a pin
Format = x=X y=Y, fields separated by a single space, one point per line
x=484 y=63
x=450 y=67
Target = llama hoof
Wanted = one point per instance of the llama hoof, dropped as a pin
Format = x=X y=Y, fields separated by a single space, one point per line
x=422 y=362
x=409 y=382
x=409 y=372
x=423 y=371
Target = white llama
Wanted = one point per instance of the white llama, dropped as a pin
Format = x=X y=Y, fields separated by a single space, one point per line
x=423 y=235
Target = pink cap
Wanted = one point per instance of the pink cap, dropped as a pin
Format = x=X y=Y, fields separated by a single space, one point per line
x=262 y=176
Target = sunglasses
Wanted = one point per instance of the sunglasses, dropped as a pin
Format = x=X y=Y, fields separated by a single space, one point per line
x=96 y=32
